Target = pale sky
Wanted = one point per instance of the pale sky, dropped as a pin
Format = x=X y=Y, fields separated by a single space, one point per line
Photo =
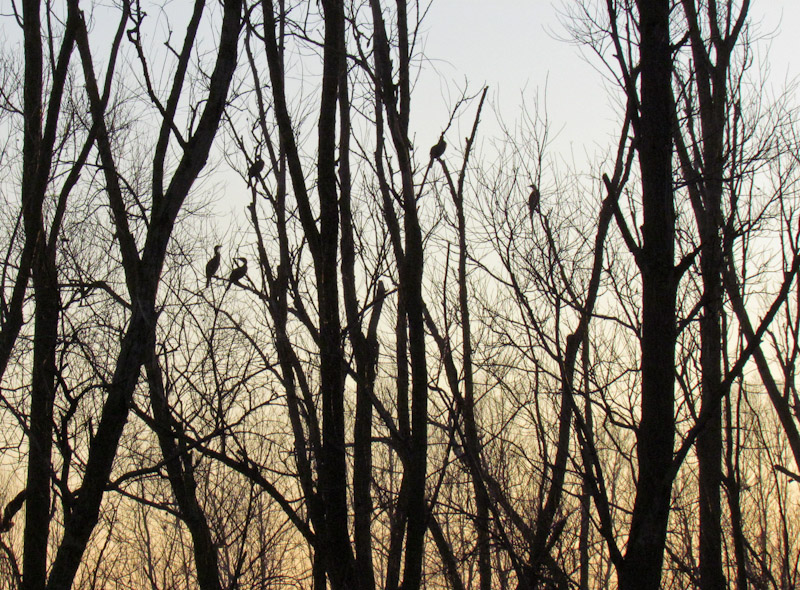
x=519 y=47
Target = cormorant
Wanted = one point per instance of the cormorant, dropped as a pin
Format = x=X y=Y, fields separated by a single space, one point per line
x=237 y=273
x=212 y=266
x=11 y=510
x=438 y=149
x=533 y=200
x=254 y=172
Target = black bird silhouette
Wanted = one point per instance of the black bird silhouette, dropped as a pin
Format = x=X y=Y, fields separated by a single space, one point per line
x=212 y=266
x=11 y=510
x=254 y=172
x=237 y=273
x=533 y=201
x=438 y=149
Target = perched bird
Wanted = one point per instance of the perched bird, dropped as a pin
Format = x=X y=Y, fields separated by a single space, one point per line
x=237 y=273
x=438 y=149
x=11 y=510
x=212 y=266
x=254 y=172
x=533 y=201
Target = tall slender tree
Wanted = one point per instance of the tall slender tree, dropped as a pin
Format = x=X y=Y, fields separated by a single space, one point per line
x=142 y=269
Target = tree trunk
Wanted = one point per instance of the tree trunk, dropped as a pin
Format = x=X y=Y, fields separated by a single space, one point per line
x=398 y=109
x=641 y=568
x=333 y=468
x=37 y=152
x=705 y=177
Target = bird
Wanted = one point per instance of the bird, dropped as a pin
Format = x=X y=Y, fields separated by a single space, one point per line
x=533 y=200
x=212 y=266
x=254 y=172
x=11 y=510
x=438 y=149
x=237 y=273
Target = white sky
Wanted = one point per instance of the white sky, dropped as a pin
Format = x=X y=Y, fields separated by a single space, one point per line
x=518 y=47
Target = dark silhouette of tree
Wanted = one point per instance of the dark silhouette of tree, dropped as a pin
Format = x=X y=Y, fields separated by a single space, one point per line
x=656 y=430
x=427 y=376
x=39 y=259
x=703 y=166
x=142 y=267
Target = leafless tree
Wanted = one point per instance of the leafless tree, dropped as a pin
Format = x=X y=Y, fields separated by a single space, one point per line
x=143 y=251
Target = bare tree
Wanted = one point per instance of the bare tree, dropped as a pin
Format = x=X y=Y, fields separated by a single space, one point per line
x=713 y=37
x=405 y=367
x=142 y=266
x=39 y=259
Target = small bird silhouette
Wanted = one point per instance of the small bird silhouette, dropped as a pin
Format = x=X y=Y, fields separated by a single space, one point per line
x=237 y=273
x=212 y=266
x=254 y=172
x=533 y=200
x=438 y=149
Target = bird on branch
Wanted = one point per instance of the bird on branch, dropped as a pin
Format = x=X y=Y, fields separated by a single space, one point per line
x=11 y=510
x=254 y=172
x=237 y=273
x=438 y=149
x=533 y=201
x=212 y=266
